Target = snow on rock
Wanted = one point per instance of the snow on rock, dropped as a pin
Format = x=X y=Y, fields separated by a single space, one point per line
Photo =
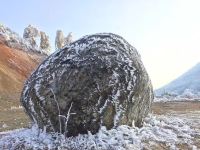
x=37 y=39
x=45 y=43
x=166 y=132
x=32 y=35
x=68 y=39
x=61 y=41
x=13 y=40
x=98 y=80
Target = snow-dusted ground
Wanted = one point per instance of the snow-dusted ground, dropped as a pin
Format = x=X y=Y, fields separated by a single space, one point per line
x=177 y=99
x=158 y=132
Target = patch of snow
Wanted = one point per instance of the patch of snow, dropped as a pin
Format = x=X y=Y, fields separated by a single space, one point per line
x=4 y=125
x=169 y=131
x=14 y=40
x=16 y=108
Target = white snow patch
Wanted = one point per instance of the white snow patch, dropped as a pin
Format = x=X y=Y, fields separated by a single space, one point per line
x=168 y=130
x=4 y=125
x=16 y=107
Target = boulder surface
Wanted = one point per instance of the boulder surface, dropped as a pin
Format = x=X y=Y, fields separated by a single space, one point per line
x=98 y=80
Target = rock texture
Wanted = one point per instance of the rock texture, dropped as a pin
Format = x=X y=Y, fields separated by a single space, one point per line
x=96 y=81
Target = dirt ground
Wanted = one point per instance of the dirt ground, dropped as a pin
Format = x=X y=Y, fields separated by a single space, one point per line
x=163 y=108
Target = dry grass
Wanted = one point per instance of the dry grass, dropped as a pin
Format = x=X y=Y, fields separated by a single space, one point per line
x=11 y=115
x=161 y=108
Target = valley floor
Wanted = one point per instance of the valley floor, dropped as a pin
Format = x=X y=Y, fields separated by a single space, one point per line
x=171 y=125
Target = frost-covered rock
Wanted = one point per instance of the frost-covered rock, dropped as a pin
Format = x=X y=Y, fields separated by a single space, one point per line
x=29 y=43
x=96 y=81
x=31 y=31
x=12 y=39
x=44 y=43
x=32 y=35
x=62 y=41
x=37 y=39
x=59 y=40
x=68 y=39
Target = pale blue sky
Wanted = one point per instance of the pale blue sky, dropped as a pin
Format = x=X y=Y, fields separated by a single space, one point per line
x=165 y=32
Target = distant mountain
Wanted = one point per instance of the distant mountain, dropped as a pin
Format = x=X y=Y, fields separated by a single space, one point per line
x=17 y=61
x=186 y=84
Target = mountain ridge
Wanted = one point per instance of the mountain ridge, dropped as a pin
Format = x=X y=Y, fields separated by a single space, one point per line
x=189 y=81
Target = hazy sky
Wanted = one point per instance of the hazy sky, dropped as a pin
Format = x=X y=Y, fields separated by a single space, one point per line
x=165 y=32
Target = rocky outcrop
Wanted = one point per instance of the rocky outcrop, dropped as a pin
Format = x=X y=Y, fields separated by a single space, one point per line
x=32 y=34
x=68 y=39
x=96 y=81
x=31 y=42
x=12 y=39
x=61 y=41
x=44 y=43
x=37 y=39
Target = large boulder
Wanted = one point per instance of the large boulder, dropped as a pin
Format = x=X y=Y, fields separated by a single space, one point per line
x=96 y=81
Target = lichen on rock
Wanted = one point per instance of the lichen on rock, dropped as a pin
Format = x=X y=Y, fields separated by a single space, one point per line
x=100 y=78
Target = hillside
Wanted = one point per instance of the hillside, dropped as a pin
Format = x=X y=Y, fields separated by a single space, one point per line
x=17 y=61
x=15 y=67
x=186 y=84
